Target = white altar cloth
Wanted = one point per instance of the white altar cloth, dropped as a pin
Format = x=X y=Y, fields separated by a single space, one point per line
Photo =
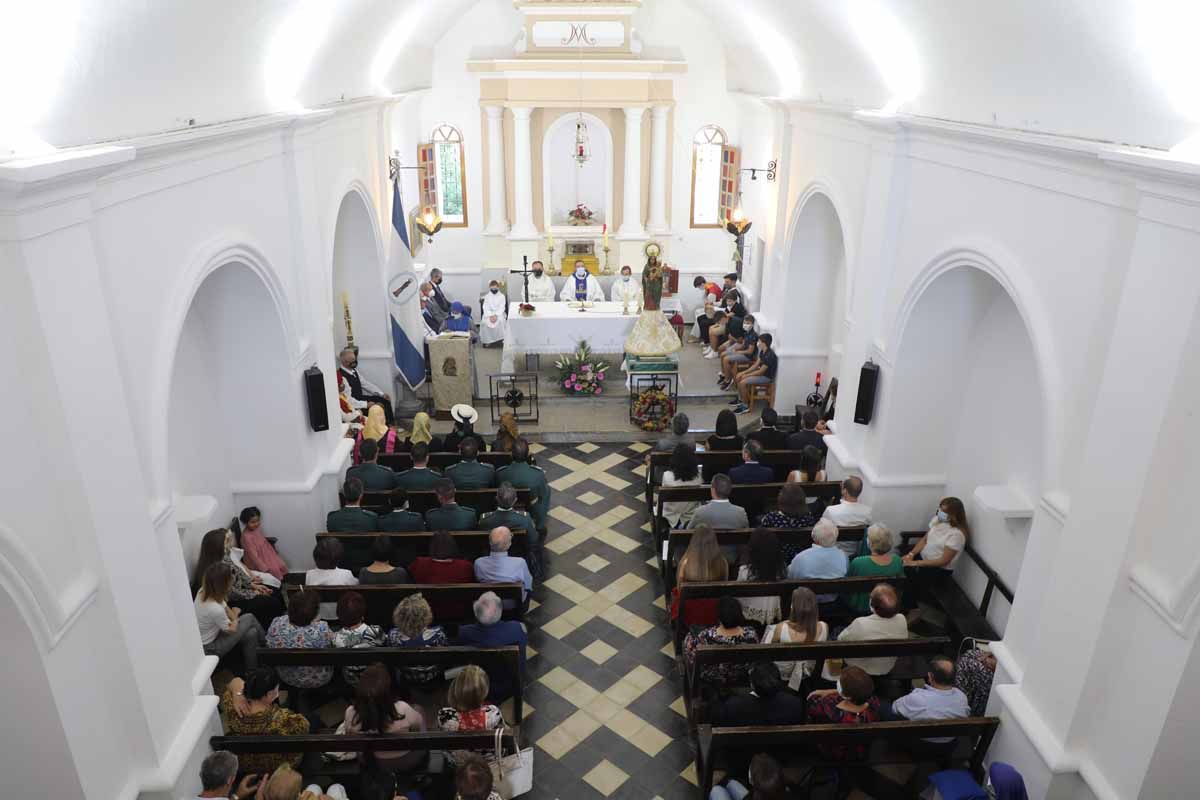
x=558 y=328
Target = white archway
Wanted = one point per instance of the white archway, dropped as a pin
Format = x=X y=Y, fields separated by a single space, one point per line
x=358 y=280
x=555 y=169
x=965 y=399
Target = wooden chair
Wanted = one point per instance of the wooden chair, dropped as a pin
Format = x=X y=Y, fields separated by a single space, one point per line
x=761 y=391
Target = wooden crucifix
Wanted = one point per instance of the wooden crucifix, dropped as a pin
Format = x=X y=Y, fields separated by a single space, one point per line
x=524 y=273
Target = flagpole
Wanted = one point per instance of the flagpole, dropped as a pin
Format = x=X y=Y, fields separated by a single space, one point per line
x=407 y=404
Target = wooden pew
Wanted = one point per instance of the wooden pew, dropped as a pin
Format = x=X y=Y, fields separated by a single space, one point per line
x=751 y=496
x=784 y=461
x=482 y=500
x=410 y=544
x=491 y=659
x=962 y=616
x=678 y=539
x=439 y=461
x=313 y=745
x=382 y=598
x=787 y=740
x=906 y=651
x=702 y=590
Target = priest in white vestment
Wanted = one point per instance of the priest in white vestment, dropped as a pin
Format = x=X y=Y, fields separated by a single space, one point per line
x=541 y=286
x=494 y=323
x=626 y=291
x=581 y=286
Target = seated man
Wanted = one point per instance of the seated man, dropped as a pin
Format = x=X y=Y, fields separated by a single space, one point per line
x=581 y=287
x=499 y=567
x=750 y=471
x=719 y=513
x=420 y=477
x=523 y=474
x=939 y=698
x=849 y=513
x=449 y=516
x=884 y=622
x=769 y=436
x=769 y=702
x=627 y=291
x=492 y=631
x=742 y=351
x=362 y=391
x=374 y=477
x=808 y=435
x=352 y=517
x=218 y=773
x=469 y=473
x=761 y=372
x=507 y=516
x=822 y=560
x=541 y=286
x=400 y=518
x=732 y=304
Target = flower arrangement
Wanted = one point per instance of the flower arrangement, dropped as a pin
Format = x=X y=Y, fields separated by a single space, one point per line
x=580 y=373
x=653 y=409
x=580 y=215
x=526 y=309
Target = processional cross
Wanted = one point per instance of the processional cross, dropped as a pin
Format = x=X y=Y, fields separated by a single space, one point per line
x=525 y=273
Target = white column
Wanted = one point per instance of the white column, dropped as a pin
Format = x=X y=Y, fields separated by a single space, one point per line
x=631 y=218
x=658 y=172
x=497 y=210
x=523 y=227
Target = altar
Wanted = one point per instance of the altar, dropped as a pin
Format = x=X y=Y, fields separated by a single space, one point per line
x=560 y=327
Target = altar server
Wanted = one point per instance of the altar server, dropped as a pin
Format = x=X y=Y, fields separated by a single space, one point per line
x=581 y=286
x=541 y=287
x=627 y=291
x=494 y=324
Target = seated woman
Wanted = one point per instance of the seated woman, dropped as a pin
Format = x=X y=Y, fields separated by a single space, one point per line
x=703 y=561
x=731 y=628
x=250 y=707
x=852 y=703
x=469 y=709
x=413 y=619
x=259 y=554
x=246 y=593
x=765 y=564
x=683 y=471
x=882 y=562
x=375 y=710
x=725 y=437
x=376 y=429
x=443 y=565
x=802 y=625
x=422 y=433
x=932 y=559
x=223 y=628
x=791 y=512
x=355 y=633
x=765 y=779
x=381 y=570
x=507 y=434
x=811 y=466
x=327 y=554
x=302 y=627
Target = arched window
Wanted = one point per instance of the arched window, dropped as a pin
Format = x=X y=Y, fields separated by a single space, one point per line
x=443 y=179
x=714 y=177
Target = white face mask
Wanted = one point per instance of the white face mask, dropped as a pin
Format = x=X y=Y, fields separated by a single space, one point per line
x=580 y=273
x=942 y=516
x=749 y=326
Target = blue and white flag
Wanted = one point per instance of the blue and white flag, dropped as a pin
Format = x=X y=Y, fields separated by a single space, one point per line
x=408 y=332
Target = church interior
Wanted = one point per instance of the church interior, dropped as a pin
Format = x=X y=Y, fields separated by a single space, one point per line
x=344 y=458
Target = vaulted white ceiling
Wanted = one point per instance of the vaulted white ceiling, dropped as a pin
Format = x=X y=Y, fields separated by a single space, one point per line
x=80 y=71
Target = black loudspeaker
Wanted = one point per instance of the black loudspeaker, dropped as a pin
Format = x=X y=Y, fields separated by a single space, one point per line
x=314 y=391
x=868 y=384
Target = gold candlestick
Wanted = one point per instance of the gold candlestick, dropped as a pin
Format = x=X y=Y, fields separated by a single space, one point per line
x=551 y=269
x=607 y=266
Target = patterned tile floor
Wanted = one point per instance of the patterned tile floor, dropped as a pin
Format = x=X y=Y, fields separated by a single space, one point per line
x=607 y=711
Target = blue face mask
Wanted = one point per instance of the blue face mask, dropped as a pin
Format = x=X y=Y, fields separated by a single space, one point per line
x=942 y=516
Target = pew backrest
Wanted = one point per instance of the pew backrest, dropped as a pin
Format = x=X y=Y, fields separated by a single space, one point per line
x=481 y=500
x=439 y=461
x=382 y=598
x=407 y=545
x=363 y=743
x=754 y=496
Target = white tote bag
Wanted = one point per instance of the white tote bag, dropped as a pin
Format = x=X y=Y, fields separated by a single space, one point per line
x=512 y=776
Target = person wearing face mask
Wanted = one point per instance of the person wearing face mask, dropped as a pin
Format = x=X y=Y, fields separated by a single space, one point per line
x=460 y=318
x=581 y=287
x=438 y=306
x=541 y=287
x=362 y=391
x=627 y=291
x=494 y=324
x=932 y=559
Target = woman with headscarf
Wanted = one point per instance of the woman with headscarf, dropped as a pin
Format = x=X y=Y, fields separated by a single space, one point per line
x=422 y=434
x=460 y=318
x=507 y=434
x=376 y=429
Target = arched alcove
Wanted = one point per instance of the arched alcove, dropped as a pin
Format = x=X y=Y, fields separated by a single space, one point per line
x=810 y=311
x=36 y=759
x=965 y=401
x=235 y=406
x=359 y=282
x=564 y=184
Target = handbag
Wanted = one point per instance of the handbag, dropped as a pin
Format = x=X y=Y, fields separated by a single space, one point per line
x=512 y=776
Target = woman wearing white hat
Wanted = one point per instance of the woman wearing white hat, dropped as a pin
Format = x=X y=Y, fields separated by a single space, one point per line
x=464 y=417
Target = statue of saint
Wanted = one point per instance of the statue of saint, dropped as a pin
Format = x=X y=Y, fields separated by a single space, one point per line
x=652 y=334
x=652 y=284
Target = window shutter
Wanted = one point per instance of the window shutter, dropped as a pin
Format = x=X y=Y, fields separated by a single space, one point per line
x=427 y=161
x=729 y=182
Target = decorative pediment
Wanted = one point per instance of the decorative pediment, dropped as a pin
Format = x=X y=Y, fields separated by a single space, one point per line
x=579 y=28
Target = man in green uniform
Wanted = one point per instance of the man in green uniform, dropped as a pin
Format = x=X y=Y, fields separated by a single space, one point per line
x=523 y=475
x=469 y=473
x=508 y=517
x=420 y=477
x=450 y=516
x=400 y=518
x=352 y=517
x=375 y=478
